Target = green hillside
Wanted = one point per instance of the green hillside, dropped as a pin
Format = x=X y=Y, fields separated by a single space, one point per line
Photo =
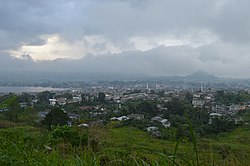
x=119 y=146
x=7 y=101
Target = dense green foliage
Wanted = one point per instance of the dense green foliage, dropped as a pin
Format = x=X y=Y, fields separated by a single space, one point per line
x=101 y=97
x=118 y=146
x=13 y=109
x=7 y=100
x=56 y=117
x=44 y=96
x=228 y=98
x=148 y=108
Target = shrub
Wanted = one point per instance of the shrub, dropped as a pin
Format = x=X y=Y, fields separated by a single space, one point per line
x=70 y=135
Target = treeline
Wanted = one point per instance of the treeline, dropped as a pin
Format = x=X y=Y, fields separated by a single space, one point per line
x=223 y=97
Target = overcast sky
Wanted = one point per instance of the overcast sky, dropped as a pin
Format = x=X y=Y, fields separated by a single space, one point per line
x=155 y=37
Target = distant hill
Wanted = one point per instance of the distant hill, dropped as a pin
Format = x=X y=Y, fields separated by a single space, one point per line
x=201 y=75
x=196 y=76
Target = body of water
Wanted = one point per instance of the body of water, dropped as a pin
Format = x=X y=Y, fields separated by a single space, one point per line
x=19 y=89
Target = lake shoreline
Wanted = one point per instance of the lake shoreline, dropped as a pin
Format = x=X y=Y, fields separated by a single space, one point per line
x=28 y=89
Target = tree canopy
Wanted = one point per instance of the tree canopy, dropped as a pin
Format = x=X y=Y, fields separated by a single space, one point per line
x=56 y=117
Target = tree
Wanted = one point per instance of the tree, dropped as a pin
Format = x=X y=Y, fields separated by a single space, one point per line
x=219 y=125
x=56 y=117
x=25 y=97
x=13 y=110
x=161 y=93
x=188 y=97
x=29 y=115
x=66 y=95
x=148 y=108
x=101 y=96
x=45 y=96
x=175 y=107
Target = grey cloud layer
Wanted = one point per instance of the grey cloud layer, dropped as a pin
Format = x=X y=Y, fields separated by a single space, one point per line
x=118 y=21
x=156 y=62
x=122 y=19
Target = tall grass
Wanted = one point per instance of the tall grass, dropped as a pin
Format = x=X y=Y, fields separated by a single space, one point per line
x=25 y=146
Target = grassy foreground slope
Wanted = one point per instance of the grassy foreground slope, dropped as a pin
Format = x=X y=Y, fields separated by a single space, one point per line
x=226 y=149
x=26 y=145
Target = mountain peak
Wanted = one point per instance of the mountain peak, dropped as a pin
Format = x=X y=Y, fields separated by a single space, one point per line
x=201 y=75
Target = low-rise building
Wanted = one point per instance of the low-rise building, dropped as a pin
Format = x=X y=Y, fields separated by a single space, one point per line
x=52 y=102
x=164 y=122
x=136 y=116
x=62 y=101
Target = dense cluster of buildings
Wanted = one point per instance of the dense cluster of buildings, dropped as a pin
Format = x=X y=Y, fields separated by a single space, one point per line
x=120 y=94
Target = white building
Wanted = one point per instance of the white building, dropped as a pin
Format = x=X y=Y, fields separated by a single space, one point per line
x=52 y=102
